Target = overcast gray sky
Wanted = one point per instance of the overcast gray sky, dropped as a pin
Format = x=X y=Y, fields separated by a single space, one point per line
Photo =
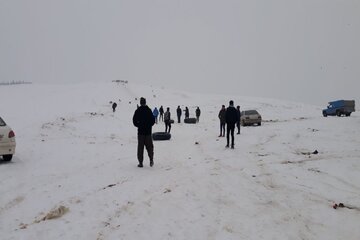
x=301 y=50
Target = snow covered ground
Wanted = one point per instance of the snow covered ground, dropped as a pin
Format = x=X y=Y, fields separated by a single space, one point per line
x=73 y=151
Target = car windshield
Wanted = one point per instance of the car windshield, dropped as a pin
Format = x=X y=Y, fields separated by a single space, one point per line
x=251 y=112
x=2 y=123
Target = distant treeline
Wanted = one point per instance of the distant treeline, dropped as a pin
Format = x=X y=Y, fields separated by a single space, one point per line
x=14 y=83
x=120 y=81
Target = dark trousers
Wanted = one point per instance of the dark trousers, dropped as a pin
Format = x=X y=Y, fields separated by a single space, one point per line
x=167 y=125
x=197 y=118
x=222 y=129
x=145 y=140
x=238 y=126
x=179 y=116
x=230 y=130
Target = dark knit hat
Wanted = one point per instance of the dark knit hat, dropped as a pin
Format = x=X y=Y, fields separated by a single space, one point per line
x=142 y=101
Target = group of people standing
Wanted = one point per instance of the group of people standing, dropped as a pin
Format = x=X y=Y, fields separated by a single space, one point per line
x=187 y=114
x=166 y=116
x=163 y=116
x=229 y=117
x=144 y=119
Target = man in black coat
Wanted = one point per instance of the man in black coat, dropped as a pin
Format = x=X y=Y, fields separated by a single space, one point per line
x=114 y=105
x=178 y=112
x=186 y=112
x=161 y=111
x=143 y=119
x=167 y=120
x=238 y=122
x=222 y=117
x=231 y=117
x=197 y=114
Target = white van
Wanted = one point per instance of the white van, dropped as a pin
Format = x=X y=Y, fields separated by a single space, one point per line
x=250 y=117
x=7 y=141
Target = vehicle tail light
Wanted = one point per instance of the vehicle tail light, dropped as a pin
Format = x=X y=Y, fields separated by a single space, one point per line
x=11 y=134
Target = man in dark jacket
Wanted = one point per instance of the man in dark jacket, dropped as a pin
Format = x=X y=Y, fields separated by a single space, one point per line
x=231 y=119
x=143 y=119
x=167 y=118
x=186 y=112
x=238 y=116
x=222 y=117
x=161 y=111
x=197 y=114
x=178 y=112
x=114 y=105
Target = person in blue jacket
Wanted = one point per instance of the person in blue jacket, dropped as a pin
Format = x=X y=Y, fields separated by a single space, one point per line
x=156 y=114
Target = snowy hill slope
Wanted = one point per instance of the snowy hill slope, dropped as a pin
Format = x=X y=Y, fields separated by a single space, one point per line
x=73 y=151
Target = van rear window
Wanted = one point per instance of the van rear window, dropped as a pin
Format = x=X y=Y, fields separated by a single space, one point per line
x=2 y=123
x=251 y=112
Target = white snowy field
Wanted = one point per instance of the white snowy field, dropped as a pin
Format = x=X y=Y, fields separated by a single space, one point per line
x=73 y=151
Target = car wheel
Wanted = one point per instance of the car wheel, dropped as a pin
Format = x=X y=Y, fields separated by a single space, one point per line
x=7 y=158
x=259 y=123
x=338 y=113
x=324 y=114
x=348 y=114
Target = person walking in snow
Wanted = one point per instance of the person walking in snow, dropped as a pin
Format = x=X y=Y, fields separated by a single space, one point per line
x=222 y=118
x=238 y=122
x=186 y=112
x=143 y=119
x=114 y=105
x=231 y=119
x=178 y=113
x=156 y=114
x=197 y=114
x=161 y=111
x=167 y=117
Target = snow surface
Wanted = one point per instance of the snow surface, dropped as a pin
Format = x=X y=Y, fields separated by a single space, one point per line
x=73 y=151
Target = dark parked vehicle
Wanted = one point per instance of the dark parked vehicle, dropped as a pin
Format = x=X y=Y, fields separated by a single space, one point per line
x=340 y=107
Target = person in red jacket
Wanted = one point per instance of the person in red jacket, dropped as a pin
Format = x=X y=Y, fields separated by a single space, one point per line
x=143 y=119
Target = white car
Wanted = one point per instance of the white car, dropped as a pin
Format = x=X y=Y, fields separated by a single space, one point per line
x=7 y=141
x=250 y=117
